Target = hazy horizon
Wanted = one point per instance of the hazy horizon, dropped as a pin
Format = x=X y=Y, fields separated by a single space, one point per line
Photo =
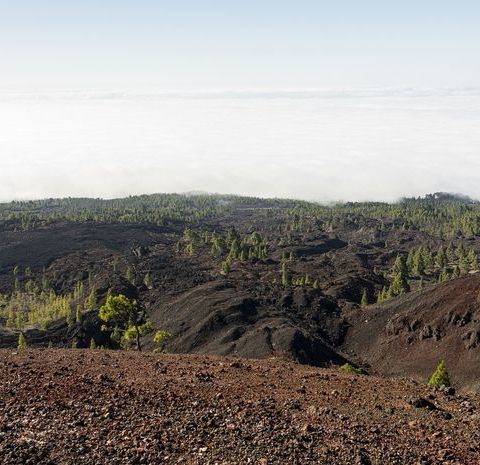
x=324 y=101
x=321 y=145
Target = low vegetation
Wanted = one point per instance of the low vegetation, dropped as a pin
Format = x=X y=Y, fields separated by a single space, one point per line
x=441 y=215
x=440 y=376
x=126 y=320
x=348 y=368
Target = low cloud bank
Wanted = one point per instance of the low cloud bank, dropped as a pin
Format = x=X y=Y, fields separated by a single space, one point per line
x=325 y=145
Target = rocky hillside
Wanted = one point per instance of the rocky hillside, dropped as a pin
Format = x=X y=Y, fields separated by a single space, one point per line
x=408 y=335
x=252 y=278
x=92 y=406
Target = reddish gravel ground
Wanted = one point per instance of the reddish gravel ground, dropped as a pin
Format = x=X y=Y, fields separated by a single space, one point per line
x=106 y=407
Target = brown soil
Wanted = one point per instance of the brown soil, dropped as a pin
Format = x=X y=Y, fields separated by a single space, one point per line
x=409 y=335
x=95 y=407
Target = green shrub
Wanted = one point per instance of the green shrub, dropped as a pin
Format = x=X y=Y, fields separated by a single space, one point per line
x=348 y=368
x=160 y=339
x=440 y=376
x=22 y=342
x=36 y=308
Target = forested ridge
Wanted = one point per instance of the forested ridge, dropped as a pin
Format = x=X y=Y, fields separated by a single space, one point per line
x=442 y=215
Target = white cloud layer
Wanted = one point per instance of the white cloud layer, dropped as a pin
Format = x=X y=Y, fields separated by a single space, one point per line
x=320 y=145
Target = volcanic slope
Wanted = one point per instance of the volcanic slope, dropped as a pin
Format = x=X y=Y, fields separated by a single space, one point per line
x=255 y=279
x=95 y=406
x=407 y=336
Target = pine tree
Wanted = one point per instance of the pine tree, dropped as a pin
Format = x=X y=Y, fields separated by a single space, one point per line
x=450 y=252
x=70 y=317
x=399 y=285
x=22 y=341
x=189 y=249
x=444 y=275
x=93 y=344
x=235 y=249
x=225 y=268
x=473 y=260
x=285 y=277
x=148 y=281
x=440 y=376
x=428 y=259
x=30 y=287
x=364 y=300
x=91 y=301
x=464 y=265
x=78 y=314
x=130 y=275
x=78 y=291
x=263 y=252
x=255 y=238
x=383 y=295
x=400 y=266
x=232 y=235
x=441 y=258
x=418 y=263
x=474 y=266
x=160 y=339
x=460 y=252
x=456 y=272
x=127 y=318
x=45 y=282
x=410 y=260
x=386 y=294
x=216 y=249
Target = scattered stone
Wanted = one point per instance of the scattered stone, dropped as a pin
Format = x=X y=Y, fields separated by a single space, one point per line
x=142 y=418
x=421 y=402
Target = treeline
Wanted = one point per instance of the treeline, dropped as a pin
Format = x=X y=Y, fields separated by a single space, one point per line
x=230 y=246
x=444 y=219
x=33 y=303
x=286 y=278
x=157 y=209
x=444 y=216
x=423 y=263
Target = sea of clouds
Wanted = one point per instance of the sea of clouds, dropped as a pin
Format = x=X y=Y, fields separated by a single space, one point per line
x=325 y=145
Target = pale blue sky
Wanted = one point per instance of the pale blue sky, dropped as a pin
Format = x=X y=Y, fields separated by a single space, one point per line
x=268 y=44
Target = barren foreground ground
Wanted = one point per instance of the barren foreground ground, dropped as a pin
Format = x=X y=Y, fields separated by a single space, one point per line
x=106 y=407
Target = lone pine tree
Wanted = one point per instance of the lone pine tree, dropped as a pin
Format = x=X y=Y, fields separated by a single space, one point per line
x=364 y=300
x=125 y=317
x=440 y=376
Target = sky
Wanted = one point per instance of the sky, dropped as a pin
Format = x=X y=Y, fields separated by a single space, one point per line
x=321 y=100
